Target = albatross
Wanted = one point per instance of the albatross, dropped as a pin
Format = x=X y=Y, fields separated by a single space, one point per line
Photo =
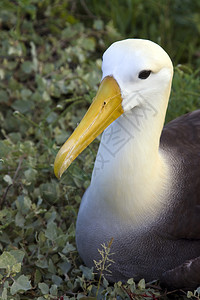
x=145 y=187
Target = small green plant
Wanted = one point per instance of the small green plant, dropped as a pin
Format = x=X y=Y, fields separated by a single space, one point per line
x=103 y=265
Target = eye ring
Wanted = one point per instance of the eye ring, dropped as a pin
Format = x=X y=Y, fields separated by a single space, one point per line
x=144 y=74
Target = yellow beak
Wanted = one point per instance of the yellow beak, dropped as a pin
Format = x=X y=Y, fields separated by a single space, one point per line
x=105 y=108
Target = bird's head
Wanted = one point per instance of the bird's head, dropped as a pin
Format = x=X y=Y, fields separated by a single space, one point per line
x=135 y=71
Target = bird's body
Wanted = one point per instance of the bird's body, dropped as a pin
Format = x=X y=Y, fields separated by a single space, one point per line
x=145 y=186
x=167 y=234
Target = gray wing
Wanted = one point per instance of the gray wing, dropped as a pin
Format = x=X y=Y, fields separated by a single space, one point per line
x=182 y=136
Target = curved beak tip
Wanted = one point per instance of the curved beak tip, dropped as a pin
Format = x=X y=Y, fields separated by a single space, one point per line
x=105 y=108
x=58 y=168
x=57 y=173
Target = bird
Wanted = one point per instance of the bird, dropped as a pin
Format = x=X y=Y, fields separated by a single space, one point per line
x=144 y=193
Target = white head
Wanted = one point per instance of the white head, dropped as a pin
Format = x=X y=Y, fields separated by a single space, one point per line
x=138 y=66
x=136 y=74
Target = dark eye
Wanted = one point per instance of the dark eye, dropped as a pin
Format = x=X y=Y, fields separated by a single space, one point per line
x=144 y=74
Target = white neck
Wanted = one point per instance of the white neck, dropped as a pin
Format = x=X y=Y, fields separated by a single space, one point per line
x=131 y=175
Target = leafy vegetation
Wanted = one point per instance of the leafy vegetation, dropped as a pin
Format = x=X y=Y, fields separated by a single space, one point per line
x=50 y=68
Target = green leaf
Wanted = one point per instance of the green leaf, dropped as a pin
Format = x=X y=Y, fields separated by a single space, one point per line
x=31 y=174
x=68 y=248
x=190 y=294
x=26 y=94
x=18 y=254
x=44 y=288
x=3 y=96
x=130 y=281
x=7 y=260
x=27 y=67
x=4 y=294
x=19 y=219
x=23 y=204
x=37 y=276
x=65 y=266
x=8 y=179
x=45 y=96
x=57 y=280
x=53 y=290
x=15 y=50
x=51 y=267
x=88 y=44
x=197 y=291
x=98 y=24
x=22 y=283
x=132 y=285
x=87 y=272
x=51 y=231
x=23 y=106
x=16 y=268
x=42 y=262
x=141 y=284
x=2 y=75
